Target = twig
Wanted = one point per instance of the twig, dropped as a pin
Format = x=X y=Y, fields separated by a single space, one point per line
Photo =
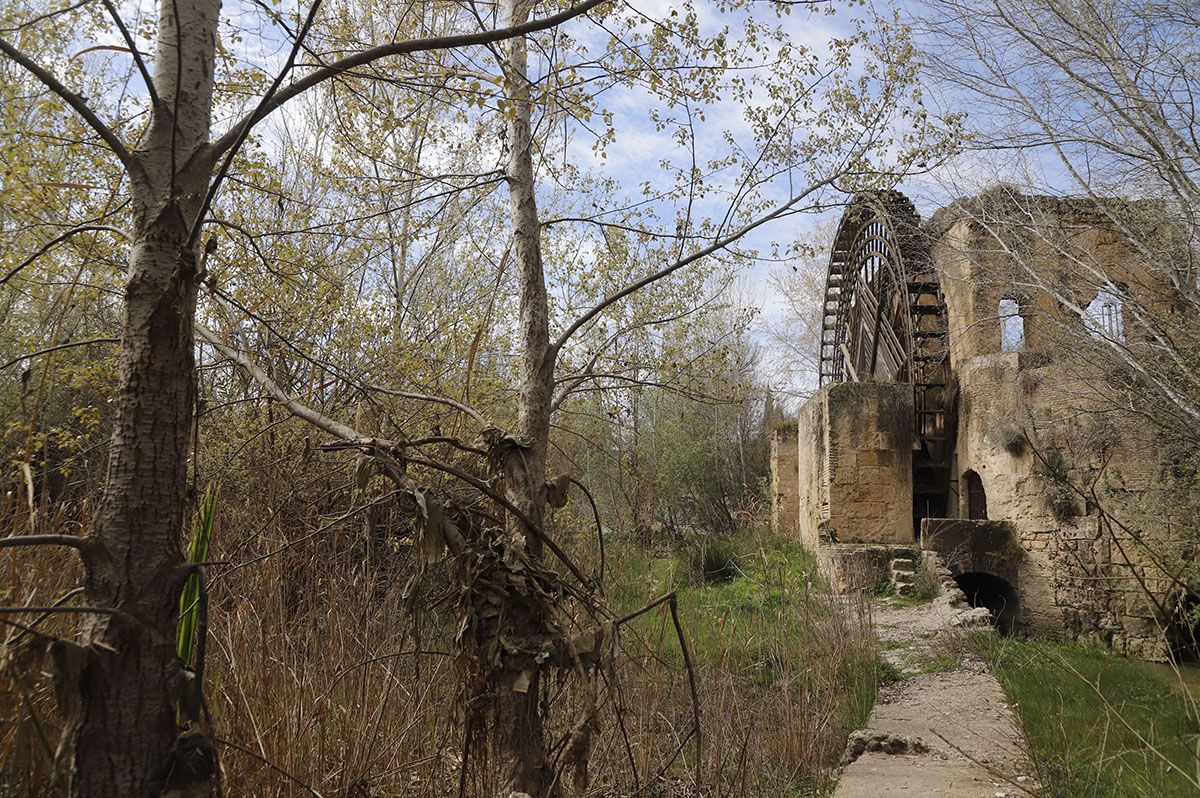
x=44 y=248
x=714 y=247
x=658 y=601
x=73 y=541
x=619 y=711
x=242 y=130
x=503 y=501
x=671 y=600
x=599 y=528
x=49 y=349
x=50 y=609
x=137 y=55
x=991 y=770
x=442 y=400
x=267 y=762
x=31 y=628
x=77 y=103
x=284 y=547
x=25 y=629
x=392 y=49
x=691 y=672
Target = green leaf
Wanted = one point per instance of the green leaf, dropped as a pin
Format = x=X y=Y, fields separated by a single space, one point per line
x=189 y=599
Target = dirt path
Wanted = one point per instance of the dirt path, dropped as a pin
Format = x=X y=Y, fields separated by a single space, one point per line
x=945 y=728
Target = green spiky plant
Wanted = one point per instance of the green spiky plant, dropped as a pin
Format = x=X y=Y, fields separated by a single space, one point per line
x=189 y=599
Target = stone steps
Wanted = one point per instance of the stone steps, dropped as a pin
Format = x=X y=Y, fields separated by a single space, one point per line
x=902 y=574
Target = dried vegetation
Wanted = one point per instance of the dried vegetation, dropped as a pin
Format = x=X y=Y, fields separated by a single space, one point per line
x=331 y=668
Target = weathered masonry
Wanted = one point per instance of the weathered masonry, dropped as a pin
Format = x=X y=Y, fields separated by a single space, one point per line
x=949 y=424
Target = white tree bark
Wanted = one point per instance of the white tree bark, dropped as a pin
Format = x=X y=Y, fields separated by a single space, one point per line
x=519 y=736
x=129 y=677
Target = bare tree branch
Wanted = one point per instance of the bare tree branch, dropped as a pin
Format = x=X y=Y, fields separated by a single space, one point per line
x=353 y=438
x=666 y=271
x=294 y=406
x=244 y=127
x=49 y=349
x=73 y=541
x=55 y=242
x=137 y=55
x=76 y=102
x=395 y=48
x=441 y=400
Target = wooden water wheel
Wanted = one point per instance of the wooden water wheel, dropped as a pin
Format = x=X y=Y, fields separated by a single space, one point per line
x=885 y=320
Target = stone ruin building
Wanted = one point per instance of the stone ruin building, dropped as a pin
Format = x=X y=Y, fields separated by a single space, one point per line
x=948 y=425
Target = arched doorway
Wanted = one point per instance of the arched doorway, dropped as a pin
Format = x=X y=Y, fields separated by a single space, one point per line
x=976 y=497
x=994 y=594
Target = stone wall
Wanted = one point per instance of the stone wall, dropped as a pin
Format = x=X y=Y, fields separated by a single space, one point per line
x=1044 y=245
x=869 y=442
x=785 y=489
x=967 y=546
x=1035 y=422
x=859 y=566
x=1025 y=431
x=855 y=465
x=1031 y=424
x=811 y=485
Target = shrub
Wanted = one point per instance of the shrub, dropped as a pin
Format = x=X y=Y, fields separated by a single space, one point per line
x=1060 y=497
x=716 y=561
x=1012 y=440
x=1053 y=466
x=886 y=671
x=1061 y=501
x=926 y=586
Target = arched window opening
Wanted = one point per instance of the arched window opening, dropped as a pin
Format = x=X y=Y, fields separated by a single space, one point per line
x=1012 y=325
x=992 y=592
x=976 y=497
x=1105 y=316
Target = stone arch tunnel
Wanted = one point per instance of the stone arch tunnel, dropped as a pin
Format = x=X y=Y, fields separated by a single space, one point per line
x=986 y=562
x=993 y=593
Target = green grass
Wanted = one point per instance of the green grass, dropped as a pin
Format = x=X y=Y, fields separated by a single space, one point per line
x=735 y=618
x=769 y=638
x=942 y=661
x=885 y=673
x=1098 y=724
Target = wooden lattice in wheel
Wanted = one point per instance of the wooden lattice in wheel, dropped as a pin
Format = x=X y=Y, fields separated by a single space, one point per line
x=885 y=320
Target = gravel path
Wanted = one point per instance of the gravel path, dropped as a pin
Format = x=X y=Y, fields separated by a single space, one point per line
x=945 y=728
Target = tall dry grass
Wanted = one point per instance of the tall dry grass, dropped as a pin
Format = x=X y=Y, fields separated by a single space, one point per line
x=321 y=679
x=30 y=726
x=784 y=671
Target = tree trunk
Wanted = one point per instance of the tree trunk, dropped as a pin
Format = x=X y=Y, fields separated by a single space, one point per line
x=128 y=677
x=131 y=677
x=519 y=736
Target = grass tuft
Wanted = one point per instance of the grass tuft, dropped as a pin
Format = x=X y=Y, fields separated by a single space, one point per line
x=1098 y=725
x=716 y=561
x=785 y=669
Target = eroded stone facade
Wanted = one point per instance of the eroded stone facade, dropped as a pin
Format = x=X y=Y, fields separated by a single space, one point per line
x=785 y=476
x=1031 y=429
x=854 y=465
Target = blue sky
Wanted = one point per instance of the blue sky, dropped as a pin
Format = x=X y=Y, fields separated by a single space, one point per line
x=635 y=155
